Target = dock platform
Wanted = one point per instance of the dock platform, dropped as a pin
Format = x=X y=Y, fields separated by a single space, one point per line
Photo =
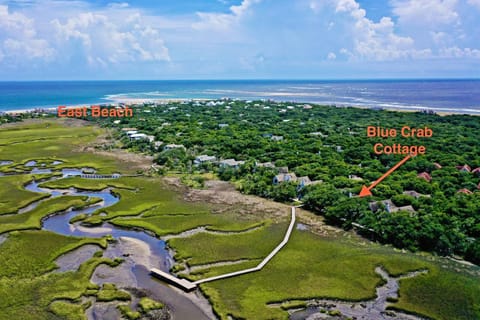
x=180 y=283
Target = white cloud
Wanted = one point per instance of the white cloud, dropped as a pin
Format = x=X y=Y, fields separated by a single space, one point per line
x=375 y=41
x=252 y=63
x=416 y=29
x=15 y=23
x=456 y=52
x=223 y=21
x=475 y=3
x=347 y=6
x=439 y=37
x=432 y=13
x=314 y=6
x=30 y=48
x=112 y=39
x=129 y=41
x=118 y=5
x=19 y=40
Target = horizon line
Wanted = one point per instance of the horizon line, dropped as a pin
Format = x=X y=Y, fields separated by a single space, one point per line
x=248 y=79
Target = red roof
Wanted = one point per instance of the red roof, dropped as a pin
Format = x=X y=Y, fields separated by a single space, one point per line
x=465 y=191
x=477 y=170
x=437 y=165
x=465 y=167
x=425 y=175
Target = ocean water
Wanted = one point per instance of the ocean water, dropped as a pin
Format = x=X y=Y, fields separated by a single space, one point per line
x=461 y=96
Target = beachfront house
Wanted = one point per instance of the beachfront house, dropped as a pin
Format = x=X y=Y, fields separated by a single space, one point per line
x=265 y=164
x=425 y=176
x=476 y=171
x=464 y=168
x=284 y=177
x=157 y=144
x=415 y=194
x=389 y=206
x=174 y=146
x=354 y=177
x=230 y=163
x=305 y=181
x=465 y=191
x=204 y=159
x=138 y=136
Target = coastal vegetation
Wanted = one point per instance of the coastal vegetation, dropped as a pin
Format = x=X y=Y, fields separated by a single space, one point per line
x=322 y=155
x=47 y=141
x=214 y=238
x=334 y=269
x=13 y=196
x=28 y=286
x=32 y=219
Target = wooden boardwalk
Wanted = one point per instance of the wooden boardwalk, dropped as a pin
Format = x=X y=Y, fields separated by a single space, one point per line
x=188 y=286
x=100 y=176
x=183 y=284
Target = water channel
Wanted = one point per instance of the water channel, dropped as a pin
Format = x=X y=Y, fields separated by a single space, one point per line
x=140 y=250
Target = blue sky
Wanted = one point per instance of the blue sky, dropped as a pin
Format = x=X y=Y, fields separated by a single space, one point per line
x=239 y=39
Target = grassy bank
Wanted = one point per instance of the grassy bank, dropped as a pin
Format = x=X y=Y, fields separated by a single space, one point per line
x=55 y=140
x=171 y=224
x=315 y=267
x=309 y=266
x=13 y=196
x=27 y=285
x=32 y=219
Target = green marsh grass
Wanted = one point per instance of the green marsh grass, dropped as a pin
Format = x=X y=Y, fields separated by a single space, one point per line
x=13 y=196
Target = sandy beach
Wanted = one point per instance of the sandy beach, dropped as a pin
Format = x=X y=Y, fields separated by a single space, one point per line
x=139 y=103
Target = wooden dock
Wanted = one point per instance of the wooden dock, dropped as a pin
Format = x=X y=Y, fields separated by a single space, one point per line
x=264 y=261
x=180 y=283
x=189 y=286
x=100 y=176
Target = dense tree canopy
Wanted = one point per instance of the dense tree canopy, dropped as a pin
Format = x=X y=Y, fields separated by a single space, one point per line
x=330 y=145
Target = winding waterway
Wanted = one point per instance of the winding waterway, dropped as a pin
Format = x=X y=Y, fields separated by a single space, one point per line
x=141 y=251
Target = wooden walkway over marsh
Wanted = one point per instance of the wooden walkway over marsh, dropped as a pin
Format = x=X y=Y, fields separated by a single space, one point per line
x=189 y=286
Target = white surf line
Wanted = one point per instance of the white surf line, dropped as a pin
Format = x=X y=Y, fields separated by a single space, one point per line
x=261 y=264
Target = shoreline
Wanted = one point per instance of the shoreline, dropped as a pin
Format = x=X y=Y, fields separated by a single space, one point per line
x=137 y=103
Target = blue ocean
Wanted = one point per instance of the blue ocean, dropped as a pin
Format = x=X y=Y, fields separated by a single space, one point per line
x=460 y=96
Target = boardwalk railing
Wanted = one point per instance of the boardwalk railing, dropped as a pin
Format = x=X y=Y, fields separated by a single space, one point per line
x=188 y=286
x=100 y=176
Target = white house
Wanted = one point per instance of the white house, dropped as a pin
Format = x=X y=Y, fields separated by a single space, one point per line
x=204 y=159
x=174 y=146
x=232 y=163
x=284 y=177
x=138 y=136
x=265 y=164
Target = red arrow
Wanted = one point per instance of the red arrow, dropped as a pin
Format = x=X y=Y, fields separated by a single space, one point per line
x=365 y=192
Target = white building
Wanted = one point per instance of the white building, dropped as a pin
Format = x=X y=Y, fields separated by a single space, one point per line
x=232 y=163
x=204 y=159
x=174 y=146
